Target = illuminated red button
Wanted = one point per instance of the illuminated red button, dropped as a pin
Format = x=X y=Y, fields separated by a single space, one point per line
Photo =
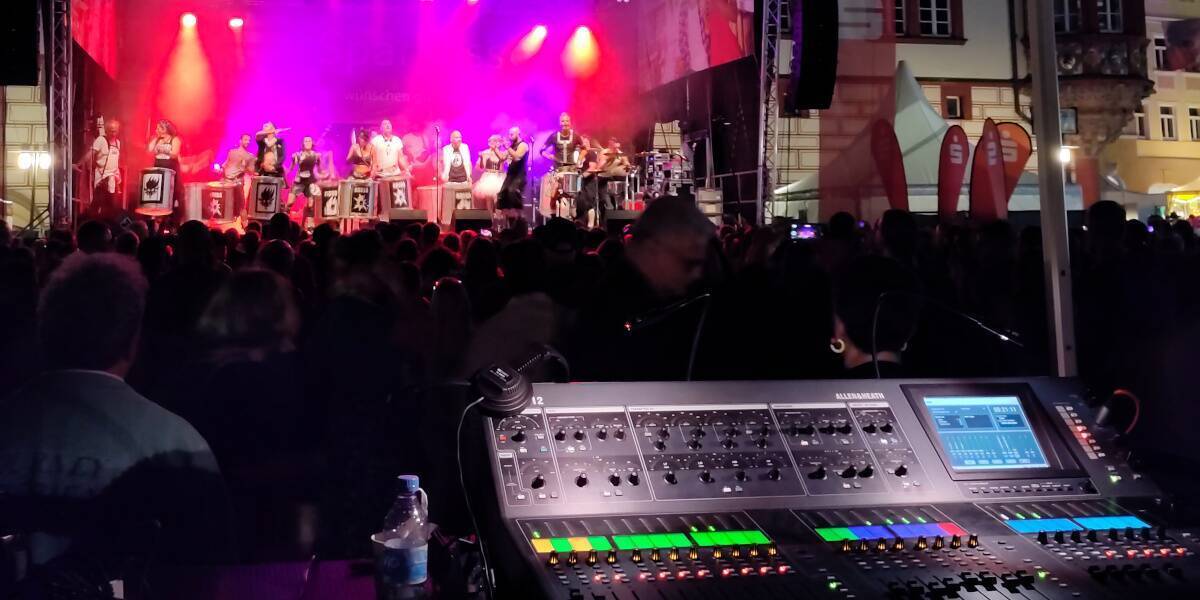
x=1110 y=553
x=1165 y=551
x=783 y=569
x=1131 y=553
x=726 y=572
x=597 y=578
x=764 y=570
x=662 y=575
x=747 y=570
x=952 y=530
x=644 y=576
x=503 y=438
x=1148 y=552
x=618 y=578
x=682 y=574
x=1181 y=551
x=702 y=573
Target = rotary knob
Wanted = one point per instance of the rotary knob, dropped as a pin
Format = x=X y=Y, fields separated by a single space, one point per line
x=694 y=444
x=774 y=474
x=602 y=434
x=671 y=478
x=869 y=428
x=519 y=436
x=660 y=445
x=579 y=435
x=849 y=472
x=728 y=444
x=740 y=476
x=614 y=479
x=560 y=435
x=867 y=472
x=886 y=428
x=538 y=482
x=826 y=429
x=761 y=442
x=698 y=433
x=581 y=480
x=619 y=434
x=764 y=430
x=808 y=429
x=730 y=431
x=818 y=473
x=845 y=428
x=664 y=433
x=633 y=479
x=706 y=477
x=901 y=471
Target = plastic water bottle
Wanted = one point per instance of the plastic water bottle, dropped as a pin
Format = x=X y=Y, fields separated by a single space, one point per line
x=402 y=548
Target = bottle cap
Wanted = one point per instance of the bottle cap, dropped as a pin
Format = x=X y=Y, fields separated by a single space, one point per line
x=409 y=483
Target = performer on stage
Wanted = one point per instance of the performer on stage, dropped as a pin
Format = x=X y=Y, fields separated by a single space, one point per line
x=361 y=156
x=389 y=153
x=165 y=147
x=589 y=194
x=615 y=168
x=561 y=147
x=490 y=164
x=269 y=144
x=106 y=158
x=511 y=198
x=307 y=165
x=456 y=168
x=238 y=162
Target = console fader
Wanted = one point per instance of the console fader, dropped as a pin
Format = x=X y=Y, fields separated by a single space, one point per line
x=831 y=489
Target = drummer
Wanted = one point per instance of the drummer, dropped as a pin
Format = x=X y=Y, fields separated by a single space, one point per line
x=562 y=147
x=389 y=153
x=615 y=168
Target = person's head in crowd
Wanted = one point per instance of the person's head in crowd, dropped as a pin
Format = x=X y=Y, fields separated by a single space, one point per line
x=153 y=256
x=1105 y=226
x=1187 y=234
x=436 y=264
x=231 y=240
x=1156 y=224
x=452 y=242
x=251 y=241
x=389 y=233
x=93 y=237
x=560 y=238
x=898 y=233
x=866 y=286
x=295 y=232
x=193 y=245
x=278 y=227
x=219 y=249
x=524 y=264
x=407 y=250
x=483 y=261
x=412 y=231
x=669 y=245
x=141 y=229
x=254 y=310
x=843 y=226
x=430 y=234
x=467 y=237
x=254 y=226
x=1136 y=237
x=277 y=256
x=127 y=244
x=357 y=251
x=69 y=331
x=323 y=236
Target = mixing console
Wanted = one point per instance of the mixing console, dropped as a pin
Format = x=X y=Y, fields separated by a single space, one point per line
x=879 y=489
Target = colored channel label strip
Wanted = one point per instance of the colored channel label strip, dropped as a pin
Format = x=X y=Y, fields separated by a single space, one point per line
x=649 y=541
x=1055 y=525
x=871 y=532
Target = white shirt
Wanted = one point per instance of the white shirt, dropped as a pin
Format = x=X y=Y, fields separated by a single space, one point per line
x=108 y=158
x=387 y=154
x=449 y=158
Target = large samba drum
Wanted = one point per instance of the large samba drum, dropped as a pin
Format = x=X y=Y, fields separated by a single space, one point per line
x=157 y=192
x=571 y=182
x=327 y=206
x=394 y=192
x=356 y=199
x=266 y=197
x=221 y=202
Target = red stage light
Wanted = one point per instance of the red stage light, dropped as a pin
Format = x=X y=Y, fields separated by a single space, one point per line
x=188 y=20
x=582 y=55
x=236 y=23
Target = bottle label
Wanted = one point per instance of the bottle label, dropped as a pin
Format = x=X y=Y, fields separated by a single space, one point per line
x=404 y=566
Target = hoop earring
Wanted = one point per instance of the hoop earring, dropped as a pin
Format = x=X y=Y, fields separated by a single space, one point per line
x=837 y=345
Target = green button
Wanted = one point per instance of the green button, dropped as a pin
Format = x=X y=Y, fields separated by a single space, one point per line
x=721 y=538
x=757 y=537
x=600 y=543
x=739 y=538
x=704 y=540
x=678 y=540
x=623 y=542
x=642 y=542
x=836 y=534
x=660 y=540
x=561 y=544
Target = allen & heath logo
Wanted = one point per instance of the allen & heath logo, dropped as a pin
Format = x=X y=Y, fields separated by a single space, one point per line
x=859 y=396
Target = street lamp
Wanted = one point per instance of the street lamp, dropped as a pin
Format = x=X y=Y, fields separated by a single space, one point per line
x=38 y=161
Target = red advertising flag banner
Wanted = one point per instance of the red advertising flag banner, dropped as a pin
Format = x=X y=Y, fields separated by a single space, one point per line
x=889 y=161
x=1015 y=148
x=952 y=170
x=988 y=202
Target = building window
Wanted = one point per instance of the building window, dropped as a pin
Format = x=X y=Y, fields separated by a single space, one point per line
x=1140 y=128
x=1166 y=120
x=1160 y=52
x=934 y=18
x=1194 y=123
x=901 y=20
x=1066 y=16
x=1109 y=13
x=953 y=107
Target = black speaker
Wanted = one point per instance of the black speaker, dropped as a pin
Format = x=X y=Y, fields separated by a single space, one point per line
x=616 y=220
x=474 y=220
x=19 y=43
x=814 y=55
x=405 y=216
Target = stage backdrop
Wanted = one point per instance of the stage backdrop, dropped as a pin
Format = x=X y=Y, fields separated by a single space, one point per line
x=324 y=67
x=680 y=37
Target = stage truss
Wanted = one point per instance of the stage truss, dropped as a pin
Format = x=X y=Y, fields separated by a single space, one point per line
x=768 y=152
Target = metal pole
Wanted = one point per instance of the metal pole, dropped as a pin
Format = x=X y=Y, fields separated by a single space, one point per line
x=1043 y=60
